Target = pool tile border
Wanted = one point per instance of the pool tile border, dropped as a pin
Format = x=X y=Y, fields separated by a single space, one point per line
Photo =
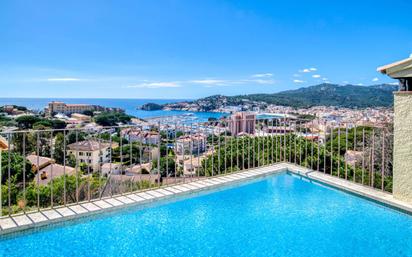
x=379 y=196
x=60 y=214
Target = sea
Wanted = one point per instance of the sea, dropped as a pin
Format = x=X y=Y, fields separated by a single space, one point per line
x=131 y=106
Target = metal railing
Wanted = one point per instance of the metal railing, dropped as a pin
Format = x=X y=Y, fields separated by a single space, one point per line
x=49 y=168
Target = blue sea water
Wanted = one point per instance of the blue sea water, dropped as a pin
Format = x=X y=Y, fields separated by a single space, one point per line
x=129 y=105
x=279 y=216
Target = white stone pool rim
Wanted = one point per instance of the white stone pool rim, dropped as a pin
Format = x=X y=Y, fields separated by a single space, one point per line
x=60 y=214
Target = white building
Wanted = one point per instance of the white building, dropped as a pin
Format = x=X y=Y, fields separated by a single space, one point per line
x=137 y=135
x=191 y=144
x=92 y=152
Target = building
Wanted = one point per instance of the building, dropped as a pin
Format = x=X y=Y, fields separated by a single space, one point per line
x=191 y=166
x=191 y=144
x=12 y=110
x=46 y=169
x=139 y=169
x=242 y=122
x=81 y=117
x=402 y=147
x=400 y=70
x=138 y=135
x=111 y=168
x=92 y=152
x=68 y=109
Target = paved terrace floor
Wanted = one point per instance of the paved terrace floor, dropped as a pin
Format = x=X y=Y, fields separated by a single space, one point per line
x=63 y=213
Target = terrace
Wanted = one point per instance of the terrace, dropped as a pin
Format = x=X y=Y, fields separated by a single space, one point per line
x=125 y=173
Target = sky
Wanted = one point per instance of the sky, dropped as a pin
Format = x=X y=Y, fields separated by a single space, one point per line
x=194 y=48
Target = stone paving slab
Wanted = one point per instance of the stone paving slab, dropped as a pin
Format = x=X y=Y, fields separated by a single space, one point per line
x=65 y=211
x=37 y=217
x=90 y=207
x=103 y=204
x=22 y=220
x=135 y=197
x=173 y=190
x=155 y=194
x=51 y=214
x=7 y=223
x=124 y=199
x=75 y=208
x=113 y=202
x=165 y=192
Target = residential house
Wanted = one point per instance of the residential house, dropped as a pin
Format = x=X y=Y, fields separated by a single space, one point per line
x=46 y=169
x=138 y=135
x=191 y=144
x=91 y=152
x=137 y=169
x=111 y=168
x=81 y=117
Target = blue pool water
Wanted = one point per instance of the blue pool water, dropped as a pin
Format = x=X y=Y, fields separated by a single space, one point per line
x=279 y=216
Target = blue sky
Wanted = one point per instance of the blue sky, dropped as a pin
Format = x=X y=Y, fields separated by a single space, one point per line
x=194 y=48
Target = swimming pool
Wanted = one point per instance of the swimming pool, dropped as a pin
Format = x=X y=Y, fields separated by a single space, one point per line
x=281 y=215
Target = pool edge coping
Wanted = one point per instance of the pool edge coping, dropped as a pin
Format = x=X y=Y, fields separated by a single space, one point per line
x=363 y=191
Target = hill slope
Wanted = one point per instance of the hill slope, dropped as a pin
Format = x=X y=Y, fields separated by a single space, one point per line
x=330 y=95
x=350 y=96
x=325 y=94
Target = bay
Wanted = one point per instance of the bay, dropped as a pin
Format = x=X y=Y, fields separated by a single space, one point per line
x=129 y=105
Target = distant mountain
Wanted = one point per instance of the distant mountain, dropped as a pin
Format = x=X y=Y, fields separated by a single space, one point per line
x=330 y=95
x=350 y=96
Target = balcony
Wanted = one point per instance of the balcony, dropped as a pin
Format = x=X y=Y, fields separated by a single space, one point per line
x=360 y=156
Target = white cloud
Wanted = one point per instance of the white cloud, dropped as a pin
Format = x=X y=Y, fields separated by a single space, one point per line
x=222 y=82
x=394 y=83
x=375 y=79
x=262 y=75
x=298 y=81
x=156 y=85
x=360 y=84
x=209 y=81
x=296 y=75
x=345 y=82
x=263 y=81
x=63 y=79
x=307 y=70
x=316 y=76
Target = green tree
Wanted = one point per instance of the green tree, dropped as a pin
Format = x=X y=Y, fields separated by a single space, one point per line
x=27 y=121
x=111 y=118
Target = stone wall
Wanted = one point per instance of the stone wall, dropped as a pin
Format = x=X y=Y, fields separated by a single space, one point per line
x=402 y=170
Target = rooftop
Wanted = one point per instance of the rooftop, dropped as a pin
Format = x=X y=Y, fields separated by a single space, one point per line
x=89 y=145
x=399 y=69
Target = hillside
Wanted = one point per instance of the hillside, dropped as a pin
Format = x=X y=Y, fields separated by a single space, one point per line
x=330 y=95
x=350 y=96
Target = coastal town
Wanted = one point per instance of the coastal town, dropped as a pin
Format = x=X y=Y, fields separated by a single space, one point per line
x=114 y=151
